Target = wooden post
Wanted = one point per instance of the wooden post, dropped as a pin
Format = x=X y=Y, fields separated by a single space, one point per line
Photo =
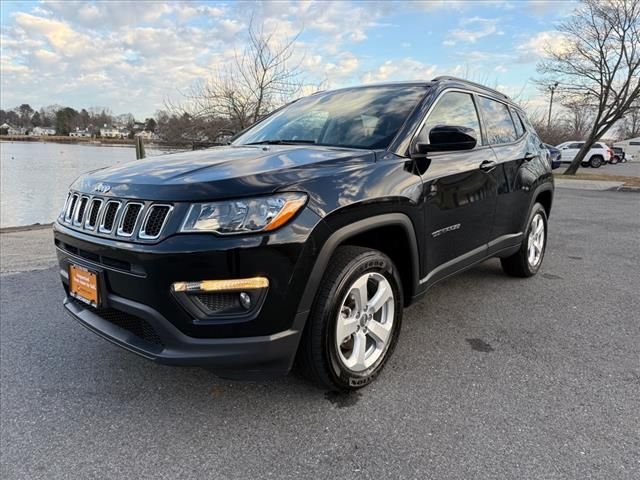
x=139 y=148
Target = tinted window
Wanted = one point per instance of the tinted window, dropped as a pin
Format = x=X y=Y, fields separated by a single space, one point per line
x=454 y=108
x=634 y=143
x=305 y=127
x=368 y=117
x=518 y=123
x=497 y=121
x=575 y=145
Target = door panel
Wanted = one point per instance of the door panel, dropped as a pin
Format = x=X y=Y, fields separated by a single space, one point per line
x=459 y=205
x=514 y=181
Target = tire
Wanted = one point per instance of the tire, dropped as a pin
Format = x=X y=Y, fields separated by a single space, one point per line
x=339 y=367
x=596 y=161
x=520 y=264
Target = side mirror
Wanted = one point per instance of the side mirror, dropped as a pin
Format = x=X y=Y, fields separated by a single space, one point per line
x=445 y=138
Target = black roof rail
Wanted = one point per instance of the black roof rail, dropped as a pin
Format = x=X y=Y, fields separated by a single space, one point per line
x=477 y=85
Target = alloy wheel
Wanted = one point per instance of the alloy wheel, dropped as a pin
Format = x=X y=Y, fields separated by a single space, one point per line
x=365 y=322
x=535 y=245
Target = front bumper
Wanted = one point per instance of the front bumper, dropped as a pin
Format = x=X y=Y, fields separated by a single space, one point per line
x=237 y=358
x=139 y=313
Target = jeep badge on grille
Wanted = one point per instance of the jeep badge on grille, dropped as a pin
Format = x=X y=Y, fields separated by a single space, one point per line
x=101 y=188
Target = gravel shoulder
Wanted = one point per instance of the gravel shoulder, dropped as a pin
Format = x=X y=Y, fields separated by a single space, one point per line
x=25 y=249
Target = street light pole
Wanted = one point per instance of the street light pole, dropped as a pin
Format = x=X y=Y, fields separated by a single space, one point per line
x=552 y=88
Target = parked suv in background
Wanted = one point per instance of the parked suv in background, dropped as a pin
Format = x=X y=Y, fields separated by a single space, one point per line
x=308 y=235
x=596 y=157
x=618 y=154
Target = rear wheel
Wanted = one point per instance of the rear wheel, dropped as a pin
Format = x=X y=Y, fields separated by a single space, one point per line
x=527 y=260
x=596 y=161
x=355 y=320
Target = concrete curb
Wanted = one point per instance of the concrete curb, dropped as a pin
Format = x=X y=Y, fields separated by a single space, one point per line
x=628 y=189
x=26 y=228
x=582 y=184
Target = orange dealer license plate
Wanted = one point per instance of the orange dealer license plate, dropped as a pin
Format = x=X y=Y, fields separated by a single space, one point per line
x=83 y=285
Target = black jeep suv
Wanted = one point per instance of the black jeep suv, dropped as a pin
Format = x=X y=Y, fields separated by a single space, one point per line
x=305 y=237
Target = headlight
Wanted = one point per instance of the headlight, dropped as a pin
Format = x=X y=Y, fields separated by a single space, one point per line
x=245 y=215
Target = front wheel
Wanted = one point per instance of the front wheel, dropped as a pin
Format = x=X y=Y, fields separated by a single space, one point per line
x=355 y=320
x=527 y=260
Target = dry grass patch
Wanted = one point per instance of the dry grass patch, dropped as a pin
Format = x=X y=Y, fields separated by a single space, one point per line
x=628 y=180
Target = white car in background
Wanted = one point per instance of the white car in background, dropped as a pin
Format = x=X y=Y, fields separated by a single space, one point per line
x=599 y=154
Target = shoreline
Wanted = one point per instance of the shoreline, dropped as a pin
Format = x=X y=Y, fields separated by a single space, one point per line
x=100 y=142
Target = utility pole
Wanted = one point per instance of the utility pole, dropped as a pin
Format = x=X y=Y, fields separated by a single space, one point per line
x=552 y=88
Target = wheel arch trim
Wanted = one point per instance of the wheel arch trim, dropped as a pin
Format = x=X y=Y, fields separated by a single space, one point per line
x=544 y=187
x=339 y=236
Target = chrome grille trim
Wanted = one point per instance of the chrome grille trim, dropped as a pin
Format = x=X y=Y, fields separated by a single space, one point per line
x=80 y=210
x=71 y=205
x=100 y=203
x=143 y=234
x=89 y=214
x=120 y=231
x=103 y=217
x=63 y=213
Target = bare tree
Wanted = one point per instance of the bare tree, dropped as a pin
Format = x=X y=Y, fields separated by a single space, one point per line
x=630 y=124
x=600 y=62
x=259 y=79
x=554 y=132
x=578 y=118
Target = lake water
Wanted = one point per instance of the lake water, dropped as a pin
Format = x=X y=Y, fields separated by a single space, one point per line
x=35 y=176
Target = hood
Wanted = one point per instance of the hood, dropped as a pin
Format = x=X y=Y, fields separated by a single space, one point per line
x=222 y=172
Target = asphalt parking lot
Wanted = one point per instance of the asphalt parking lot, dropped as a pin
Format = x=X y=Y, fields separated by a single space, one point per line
x=493 y=377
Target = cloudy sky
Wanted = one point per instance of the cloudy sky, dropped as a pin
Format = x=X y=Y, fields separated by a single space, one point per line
x=132 y=56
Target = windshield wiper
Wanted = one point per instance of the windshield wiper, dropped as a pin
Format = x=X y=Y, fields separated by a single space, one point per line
x=283 y=142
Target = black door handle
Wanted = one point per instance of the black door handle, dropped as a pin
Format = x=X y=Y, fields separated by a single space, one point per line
x=488 y=165
x=530 y=156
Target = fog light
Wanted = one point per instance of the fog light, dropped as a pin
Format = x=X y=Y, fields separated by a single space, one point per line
x=245 y=300
x=221 y=285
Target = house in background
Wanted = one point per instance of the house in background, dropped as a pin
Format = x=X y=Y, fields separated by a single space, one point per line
x=148 y=136
x=11 y=130
x=80 y=133
x=631 y=148
x=112 y=132
x=42 y=131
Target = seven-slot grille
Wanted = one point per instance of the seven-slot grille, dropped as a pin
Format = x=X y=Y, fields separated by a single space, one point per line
x=113 y=217
x=92 y=219
x=129 y=219
x=155 y=220
x=109 y=216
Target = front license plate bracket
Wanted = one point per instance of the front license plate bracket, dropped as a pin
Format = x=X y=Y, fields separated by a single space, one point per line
x=84 y=285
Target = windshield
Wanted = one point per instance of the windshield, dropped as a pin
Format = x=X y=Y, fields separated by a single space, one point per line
x=367 y=117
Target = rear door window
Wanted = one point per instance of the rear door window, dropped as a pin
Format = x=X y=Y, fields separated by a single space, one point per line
x=518 y=122
x=498 y=124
